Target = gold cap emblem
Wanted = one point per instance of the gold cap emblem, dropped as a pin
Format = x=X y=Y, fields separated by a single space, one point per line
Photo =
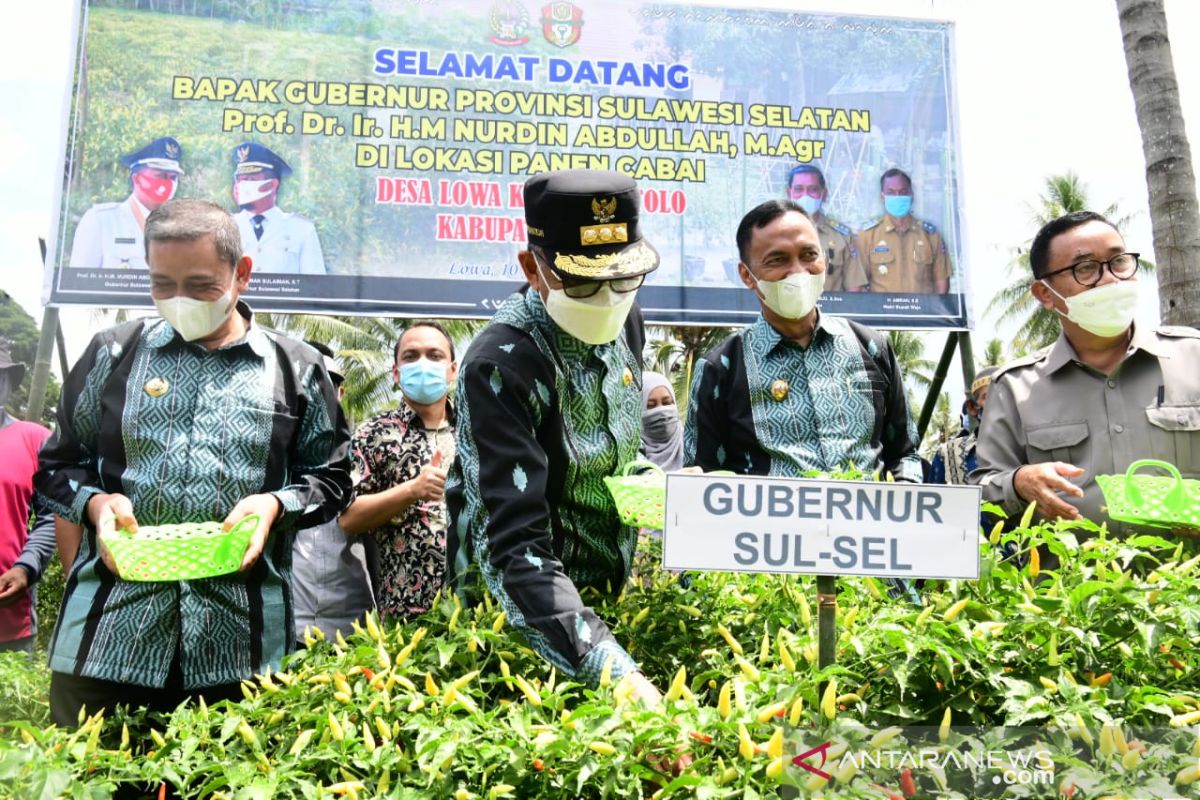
x=604 y=208
x=779 y=389
x=156 y=387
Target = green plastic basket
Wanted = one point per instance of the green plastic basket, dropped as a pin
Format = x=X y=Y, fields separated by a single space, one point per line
x=1152 y=500
x=182 y=552
x=640 y=498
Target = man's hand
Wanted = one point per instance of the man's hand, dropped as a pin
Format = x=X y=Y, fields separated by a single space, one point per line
x=430 y=485
x=13 y=585
x=1042 y=483
x=639 y=688
x=110 y=513
x=268 y=508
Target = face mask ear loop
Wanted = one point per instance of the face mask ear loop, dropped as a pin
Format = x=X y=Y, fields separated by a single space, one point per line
x=1050 y=289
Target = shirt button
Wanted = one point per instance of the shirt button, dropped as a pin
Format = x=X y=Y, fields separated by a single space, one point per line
x=1112 y=384
x=1118 y=428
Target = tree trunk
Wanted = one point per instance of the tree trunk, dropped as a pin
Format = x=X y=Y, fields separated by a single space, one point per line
x=1170 y=180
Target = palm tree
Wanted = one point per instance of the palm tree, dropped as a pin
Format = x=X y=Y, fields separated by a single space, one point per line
x=364 y=346
x=917 y=370
x=1039 y=327
x=1174 y=216
x=673 y=351
x=943 y=426
x=993 y=354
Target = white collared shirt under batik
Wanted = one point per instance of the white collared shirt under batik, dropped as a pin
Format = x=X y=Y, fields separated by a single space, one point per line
x=543 y=418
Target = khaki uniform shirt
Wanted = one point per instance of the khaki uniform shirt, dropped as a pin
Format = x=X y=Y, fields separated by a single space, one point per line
x=842 y=269
x=1050 y=407
x=903 y=261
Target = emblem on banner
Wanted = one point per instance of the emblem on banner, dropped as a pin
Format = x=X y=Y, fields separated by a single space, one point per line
x=562 y=23
x=508 y=20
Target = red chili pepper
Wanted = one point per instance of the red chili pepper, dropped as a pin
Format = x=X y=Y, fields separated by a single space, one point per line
x=1177 y=664
x=162 y=791
x=368 y=674
x=907 y=785
x=1068 y=790
x=538 y=764
x=703 y=738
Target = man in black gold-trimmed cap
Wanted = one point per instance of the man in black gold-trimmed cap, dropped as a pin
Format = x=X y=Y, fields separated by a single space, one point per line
x=549 y=401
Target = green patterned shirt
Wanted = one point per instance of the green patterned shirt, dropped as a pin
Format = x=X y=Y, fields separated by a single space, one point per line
x=543 y=418
x=763 y=405
x=185 y=433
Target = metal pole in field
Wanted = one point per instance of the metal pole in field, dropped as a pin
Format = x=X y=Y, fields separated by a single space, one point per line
x=40 y=374
x=826 y=620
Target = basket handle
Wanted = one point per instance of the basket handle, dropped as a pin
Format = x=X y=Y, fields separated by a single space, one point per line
x=245 y=524
x=1175 y=499
x=640 y=464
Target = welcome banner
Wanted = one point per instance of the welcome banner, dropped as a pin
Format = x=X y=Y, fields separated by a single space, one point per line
x=374 y=151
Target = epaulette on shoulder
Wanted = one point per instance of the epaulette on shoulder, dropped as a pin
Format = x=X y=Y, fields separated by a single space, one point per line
x=929 y=227
x=873 y=223
x=844 y=230
x=106 y=206
x=1178 y=331
x=1024 y=361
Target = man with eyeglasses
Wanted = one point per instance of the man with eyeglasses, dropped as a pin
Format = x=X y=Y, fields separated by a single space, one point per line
x=549 y=403
x=1110 y=391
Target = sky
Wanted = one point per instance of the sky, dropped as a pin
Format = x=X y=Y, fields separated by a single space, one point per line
x=1042 y=88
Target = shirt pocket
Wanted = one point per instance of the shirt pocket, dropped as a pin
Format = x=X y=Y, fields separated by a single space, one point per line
x=1059 y=441
x=859 y=408
x=922 y=252
x=882 y=257
x=1175 y=436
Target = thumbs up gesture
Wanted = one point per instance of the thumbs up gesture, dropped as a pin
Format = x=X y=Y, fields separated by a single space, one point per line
x=430 y=485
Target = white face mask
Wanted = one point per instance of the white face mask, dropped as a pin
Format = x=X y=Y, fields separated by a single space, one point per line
x=595 y=320
x=794 y=296
x=810 y=204
x=246 y=192
x=1105 y=311
x=194 y=319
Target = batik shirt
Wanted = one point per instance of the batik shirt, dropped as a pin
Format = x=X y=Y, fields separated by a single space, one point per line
x=542 y=418
x=185 y=433
x=388 y=450
x=761 y=404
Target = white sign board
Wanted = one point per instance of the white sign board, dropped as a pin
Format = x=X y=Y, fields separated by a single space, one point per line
x=803 y=526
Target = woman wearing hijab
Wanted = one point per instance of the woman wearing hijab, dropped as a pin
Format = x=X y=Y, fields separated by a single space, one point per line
x=662 y=435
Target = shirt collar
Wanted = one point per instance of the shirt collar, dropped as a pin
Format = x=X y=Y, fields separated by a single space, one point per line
x=162 y=334
x=771 y=338
x=1062 y=353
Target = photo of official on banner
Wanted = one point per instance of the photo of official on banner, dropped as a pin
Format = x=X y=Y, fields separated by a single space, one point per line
x=374 y=153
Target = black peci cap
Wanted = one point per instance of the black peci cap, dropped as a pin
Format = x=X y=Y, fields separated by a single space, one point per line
x=586 y=221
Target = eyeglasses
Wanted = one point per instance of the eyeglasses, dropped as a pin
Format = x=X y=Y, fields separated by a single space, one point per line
x=579 y=289
x=1088 y=273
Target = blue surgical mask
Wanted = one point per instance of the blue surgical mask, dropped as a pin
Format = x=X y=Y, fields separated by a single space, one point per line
x=423 y=381
x=898 y=205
